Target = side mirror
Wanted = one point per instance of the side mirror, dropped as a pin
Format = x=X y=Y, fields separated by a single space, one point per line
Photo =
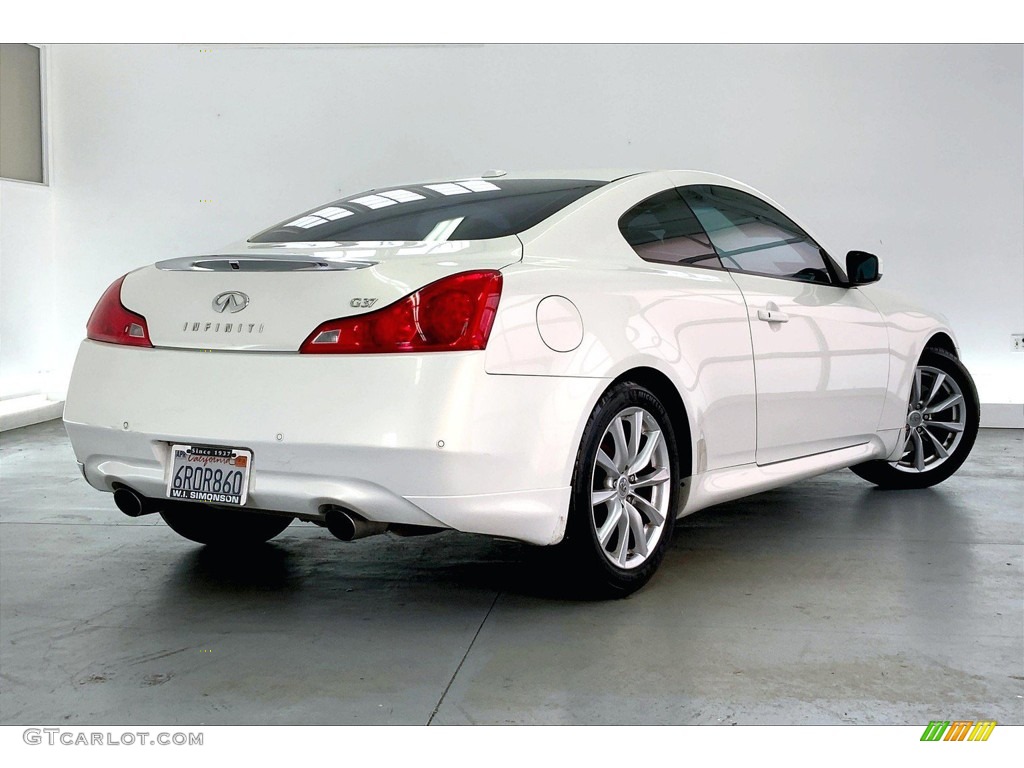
x=863 y=268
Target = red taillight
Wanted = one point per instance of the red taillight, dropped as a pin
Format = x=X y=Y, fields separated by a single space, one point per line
x=111 y=322
x=455 y=313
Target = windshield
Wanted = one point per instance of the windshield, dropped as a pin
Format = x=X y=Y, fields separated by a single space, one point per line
x=470 y=209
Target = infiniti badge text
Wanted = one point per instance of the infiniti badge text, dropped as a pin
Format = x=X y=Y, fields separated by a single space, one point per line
x=227 y=327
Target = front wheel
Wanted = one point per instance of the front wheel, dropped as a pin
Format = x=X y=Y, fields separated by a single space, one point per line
x=941 y=426
x=223 y=527
x=624 y=493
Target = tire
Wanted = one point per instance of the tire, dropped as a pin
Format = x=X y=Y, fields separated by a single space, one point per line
x=206 y=524
x=621 y=522
x=942 y=424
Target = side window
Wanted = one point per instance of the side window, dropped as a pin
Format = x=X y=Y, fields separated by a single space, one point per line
x=663 y=229
x=751 y=236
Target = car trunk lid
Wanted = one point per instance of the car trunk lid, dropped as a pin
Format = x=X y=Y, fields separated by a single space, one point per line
x=270 y=297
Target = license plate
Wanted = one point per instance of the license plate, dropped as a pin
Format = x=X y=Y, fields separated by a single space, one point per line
x=210 y=474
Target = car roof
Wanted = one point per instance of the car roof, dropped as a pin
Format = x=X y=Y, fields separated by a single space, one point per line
x=587 y=174
x=607 y=175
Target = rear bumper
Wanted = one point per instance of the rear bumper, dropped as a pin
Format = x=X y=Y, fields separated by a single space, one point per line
x=415 y=439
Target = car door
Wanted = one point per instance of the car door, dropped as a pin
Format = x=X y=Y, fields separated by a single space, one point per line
x=702 y=317
x=821 y=350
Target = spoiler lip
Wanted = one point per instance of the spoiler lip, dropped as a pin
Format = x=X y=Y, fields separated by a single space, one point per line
x=260 y=263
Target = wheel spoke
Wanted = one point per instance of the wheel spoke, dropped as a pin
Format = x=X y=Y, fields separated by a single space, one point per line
x=949 y=402
x=939 y=448
x=636 y=430
x=907 y=443
x=636 y=525
x=619 y=438
x=657 y=477
x=605 y=462
x=950 y=426
x=644 y=458
x=653 y=513
x=915 y=395
x=936 y=388
x=602 y=496
x=918 y=451
x=610 y=524
x=623 y=551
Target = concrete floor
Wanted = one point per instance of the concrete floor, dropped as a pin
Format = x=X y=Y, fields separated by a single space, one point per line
x=825 y=602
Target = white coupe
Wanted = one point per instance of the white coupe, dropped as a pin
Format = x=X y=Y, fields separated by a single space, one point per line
x=571 y=360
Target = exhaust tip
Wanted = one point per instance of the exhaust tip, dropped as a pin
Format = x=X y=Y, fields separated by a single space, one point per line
x=347 y=525
x=340 y=525
x=129 y=502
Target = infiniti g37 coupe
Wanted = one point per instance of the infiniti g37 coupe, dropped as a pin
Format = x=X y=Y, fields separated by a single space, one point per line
x=572 y=361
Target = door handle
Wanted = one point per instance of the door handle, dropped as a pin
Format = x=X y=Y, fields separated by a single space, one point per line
x=772 y=316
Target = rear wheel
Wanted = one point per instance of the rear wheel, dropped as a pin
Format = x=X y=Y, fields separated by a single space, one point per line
x=223 y=527
x=624 y=493
x=941 y=426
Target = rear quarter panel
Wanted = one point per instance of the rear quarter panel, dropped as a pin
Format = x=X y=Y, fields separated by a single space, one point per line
x=690 y=324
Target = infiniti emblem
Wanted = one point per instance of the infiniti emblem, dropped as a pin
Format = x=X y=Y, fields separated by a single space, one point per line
x=230 y=301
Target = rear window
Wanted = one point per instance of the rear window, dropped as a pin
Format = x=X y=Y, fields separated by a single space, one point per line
x=470 y=209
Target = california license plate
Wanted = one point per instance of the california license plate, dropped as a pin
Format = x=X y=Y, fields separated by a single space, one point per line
x=210 y=474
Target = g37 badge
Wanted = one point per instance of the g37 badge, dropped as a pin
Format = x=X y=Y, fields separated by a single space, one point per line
x=362 y=303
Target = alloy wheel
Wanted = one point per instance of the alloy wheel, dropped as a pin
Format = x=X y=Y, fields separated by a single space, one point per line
x=936 y=419
x=630 y=488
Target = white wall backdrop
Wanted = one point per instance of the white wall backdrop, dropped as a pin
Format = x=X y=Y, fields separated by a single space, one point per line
x=27 y=305
x=913 y=152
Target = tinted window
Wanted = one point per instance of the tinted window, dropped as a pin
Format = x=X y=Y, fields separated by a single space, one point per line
x=471 y=209
x=663 y=229
x=751 y=236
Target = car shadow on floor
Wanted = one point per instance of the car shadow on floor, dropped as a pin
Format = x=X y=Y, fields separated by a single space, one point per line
x=262 y=568
x=307 y=559
x=453 y=561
